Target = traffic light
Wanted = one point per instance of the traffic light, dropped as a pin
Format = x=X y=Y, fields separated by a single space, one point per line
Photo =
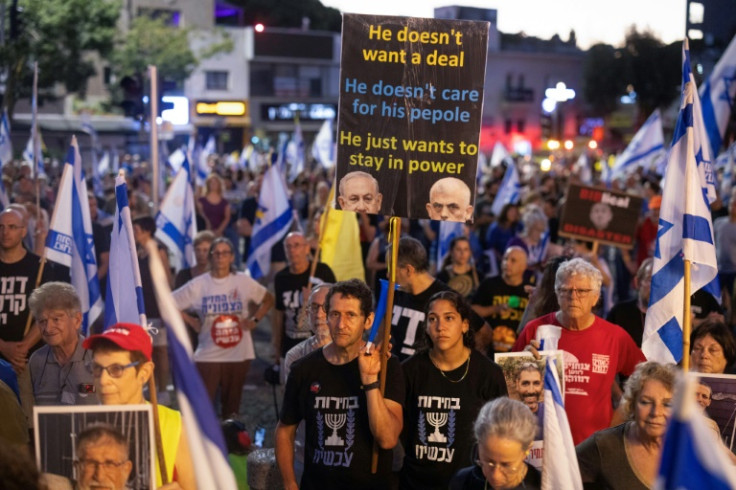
x=132 y=103
x=545 y=123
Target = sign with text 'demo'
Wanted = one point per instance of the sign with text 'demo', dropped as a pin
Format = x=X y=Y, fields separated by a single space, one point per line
x=411 y=97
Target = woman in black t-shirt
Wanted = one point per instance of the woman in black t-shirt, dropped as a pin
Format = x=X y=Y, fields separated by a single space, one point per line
x=446 y=385
x=458 y=270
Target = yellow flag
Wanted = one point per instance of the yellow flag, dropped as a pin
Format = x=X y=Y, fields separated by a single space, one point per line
x=340 y=243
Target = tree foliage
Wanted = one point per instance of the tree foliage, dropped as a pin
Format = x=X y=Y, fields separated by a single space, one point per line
x=60 y=35
x=602 y=70
x=289 y=13
x=644 y=64
x=152 y=41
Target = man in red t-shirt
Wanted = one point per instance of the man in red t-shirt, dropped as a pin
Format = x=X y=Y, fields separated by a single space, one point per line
x=594 y=350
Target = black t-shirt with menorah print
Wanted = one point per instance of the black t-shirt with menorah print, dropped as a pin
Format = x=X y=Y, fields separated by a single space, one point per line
x=338 y=444
x=439 y=414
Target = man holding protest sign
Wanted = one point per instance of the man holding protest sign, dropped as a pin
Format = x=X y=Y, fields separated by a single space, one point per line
x=335 y=391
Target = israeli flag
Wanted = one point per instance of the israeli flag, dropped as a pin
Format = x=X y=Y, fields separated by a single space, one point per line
x=176 y=160
x=728 y=158
x=206 y=443
x=690 y=460
x=685 y=233
x=295 y=155
x=6 y=154
x=645 y=149
x=499 y=155
x=176 y=225
x=70 y=242
x=509 y=190
x=584 y=171
x=33 y=148
x=244 y=156
x=203 y=169
x=448 y=231
x=703 y=153
x=323 y=147
x=32 y=154
x=273 y=220
x=560 y=463
x=718 y=94
x=103 y=166
x=124 y=298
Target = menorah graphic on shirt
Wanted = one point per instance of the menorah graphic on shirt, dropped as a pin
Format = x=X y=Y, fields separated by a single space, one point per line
x=335 y=421
x=437 y=420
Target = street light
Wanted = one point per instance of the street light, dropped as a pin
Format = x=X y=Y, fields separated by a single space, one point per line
x=557 y=95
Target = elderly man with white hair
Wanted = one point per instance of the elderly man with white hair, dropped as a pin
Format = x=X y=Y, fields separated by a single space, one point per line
x=594 y=349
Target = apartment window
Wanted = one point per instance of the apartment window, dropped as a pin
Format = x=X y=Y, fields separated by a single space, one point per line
x=216 y=80
x=508 y=125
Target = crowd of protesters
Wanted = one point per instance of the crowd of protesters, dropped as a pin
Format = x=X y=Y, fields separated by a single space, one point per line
x=504 y=280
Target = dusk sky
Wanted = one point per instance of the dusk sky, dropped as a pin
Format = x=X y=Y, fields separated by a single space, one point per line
x=593 y=20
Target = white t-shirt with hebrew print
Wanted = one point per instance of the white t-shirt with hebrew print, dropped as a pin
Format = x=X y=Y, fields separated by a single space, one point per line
x=222 y=303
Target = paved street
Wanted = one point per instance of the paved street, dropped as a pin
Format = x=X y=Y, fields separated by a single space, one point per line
x=257 y=408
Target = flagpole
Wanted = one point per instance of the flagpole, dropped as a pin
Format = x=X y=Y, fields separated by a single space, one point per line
x=322 y=228
x=153 y=394
x=153 y=76
x=36 y=148
x=686 y=320
x=157 y=431
x=394 y=227
x=29 y=320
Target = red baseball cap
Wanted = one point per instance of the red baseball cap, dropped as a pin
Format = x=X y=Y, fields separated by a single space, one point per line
x=128 y=336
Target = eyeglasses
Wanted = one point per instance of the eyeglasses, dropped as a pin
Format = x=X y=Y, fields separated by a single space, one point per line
x=580 y=293
x=505 y=468
x=222 y=254
x=90 y=465
x=349 y=316
x=316 y=308
x=114 y=370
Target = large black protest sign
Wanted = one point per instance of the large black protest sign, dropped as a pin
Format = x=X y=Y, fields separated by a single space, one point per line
x=411 y=96
x=600 y=215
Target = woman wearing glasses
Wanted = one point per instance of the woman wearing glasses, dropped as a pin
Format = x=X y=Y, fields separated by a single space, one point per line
x=446 y=385
x=226 y=300
x=594 y=349
x=504 y=431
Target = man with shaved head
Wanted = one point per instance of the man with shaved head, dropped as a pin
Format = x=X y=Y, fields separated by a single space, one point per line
x=359 y=192
x=18 y=270
x=449 y=200
x=289 y=286
x=501 y=300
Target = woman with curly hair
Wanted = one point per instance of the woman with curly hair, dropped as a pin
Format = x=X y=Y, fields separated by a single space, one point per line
x=627 y=456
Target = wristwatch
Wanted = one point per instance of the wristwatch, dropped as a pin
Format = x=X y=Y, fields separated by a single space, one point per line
x=371 y=386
